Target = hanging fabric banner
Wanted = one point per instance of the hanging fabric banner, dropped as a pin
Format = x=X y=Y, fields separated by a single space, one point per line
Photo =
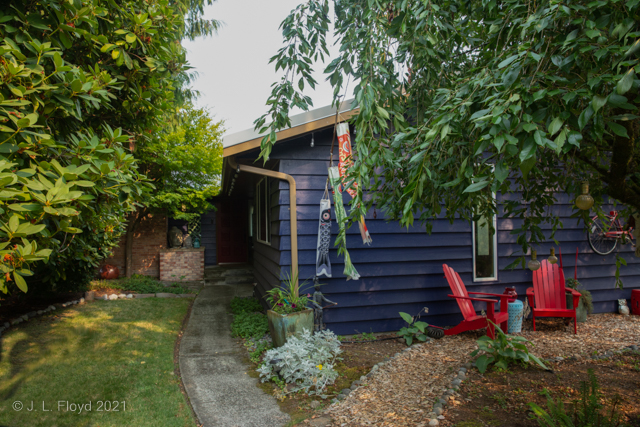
x=346 y=161
x=341 y=217
x=323 y=265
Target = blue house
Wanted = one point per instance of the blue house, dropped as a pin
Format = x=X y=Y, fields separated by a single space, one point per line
x=402 y=269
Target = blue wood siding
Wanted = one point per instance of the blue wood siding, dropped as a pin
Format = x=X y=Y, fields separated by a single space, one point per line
x=209 y=234
x=402 y=269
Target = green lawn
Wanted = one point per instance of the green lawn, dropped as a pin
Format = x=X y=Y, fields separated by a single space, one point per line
x=104 y=351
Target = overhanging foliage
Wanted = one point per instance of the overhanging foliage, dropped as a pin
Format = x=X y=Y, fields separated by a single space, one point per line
x=459 y=97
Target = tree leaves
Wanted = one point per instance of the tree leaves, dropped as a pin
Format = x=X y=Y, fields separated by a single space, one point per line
x=476 y=186
x=488 y=82
x=555 y=126
x=584 y=117
x=625 y=82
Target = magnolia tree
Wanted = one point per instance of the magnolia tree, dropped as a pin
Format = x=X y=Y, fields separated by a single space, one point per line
x=457 y=98
x=81 y=84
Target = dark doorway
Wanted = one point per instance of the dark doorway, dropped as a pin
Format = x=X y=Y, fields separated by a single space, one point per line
x=232 y=224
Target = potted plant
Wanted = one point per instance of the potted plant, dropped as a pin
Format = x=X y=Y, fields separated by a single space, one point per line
x=289 y=314
x=585 y=306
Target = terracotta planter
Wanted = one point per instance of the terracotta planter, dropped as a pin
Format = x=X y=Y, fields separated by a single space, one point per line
x=282 y=326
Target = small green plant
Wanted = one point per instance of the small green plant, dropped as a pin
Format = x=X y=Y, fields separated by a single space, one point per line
x=245 y=305
x=503 y=350
x=367 y=336
x=500 y=399
x=587 y=409
x=261 y=347
x=415 y=330
x=587 y=299
x=287 y=299
x=249 y=325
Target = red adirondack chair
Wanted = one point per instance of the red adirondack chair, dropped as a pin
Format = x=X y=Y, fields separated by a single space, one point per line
x=548 y=294
x=471 y=319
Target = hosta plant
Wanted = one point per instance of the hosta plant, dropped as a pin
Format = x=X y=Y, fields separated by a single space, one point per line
x=503 y=350
x=305 y=362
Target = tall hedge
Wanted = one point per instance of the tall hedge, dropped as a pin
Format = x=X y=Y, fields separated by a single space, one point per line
x=82 y=84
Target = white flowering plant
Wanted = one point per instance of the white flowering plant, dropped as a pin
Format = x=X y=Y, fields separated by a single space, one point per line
x=306 y=362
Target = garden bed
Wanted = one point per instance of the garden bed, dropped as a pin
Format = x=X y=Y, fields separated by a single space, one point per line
x=360 y=353
x=404 y=391
x=357 y=361
x=501 y=398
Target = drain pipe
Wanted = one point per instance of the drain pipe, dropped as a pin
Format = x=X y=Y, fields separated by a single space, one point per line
x=292 y=205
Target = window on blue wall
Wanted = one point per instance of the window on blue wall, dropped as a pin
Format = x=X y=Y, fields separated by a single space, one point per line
x=485 y=249
x=262 y=212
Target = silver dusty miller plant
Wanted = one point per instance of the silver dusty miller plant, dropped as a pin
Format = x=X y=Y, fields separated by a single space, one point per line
x=307 y=362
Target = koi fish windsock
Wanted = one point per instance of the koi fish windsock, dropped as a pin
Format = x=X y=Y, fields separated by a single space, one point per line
x=323 y=265
x=346 y=161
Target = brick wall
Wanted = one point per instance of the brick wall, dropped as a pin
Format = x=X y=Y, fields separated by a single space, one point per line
x=149 y=239
x=179 y=262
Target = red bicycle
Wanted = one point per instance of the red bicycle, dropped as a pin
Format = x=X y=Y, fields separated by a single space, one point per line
x=604 y=236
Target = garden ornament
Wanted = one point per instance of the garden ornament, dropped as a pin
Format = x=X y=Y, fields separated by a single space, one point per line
x=323 y=265
x=346 y=161
x=108 y=272
x=188 y=242
x=317 y=300
x=175 y=237
x=341 y=218
x=622 y=307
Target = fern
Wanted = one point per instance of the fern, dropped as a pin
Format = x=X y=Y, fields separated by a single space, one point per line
x=587 y=409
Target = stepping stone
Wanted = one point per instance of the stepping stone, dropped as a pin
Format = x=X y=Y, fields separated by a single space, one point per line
x=144 y=295
x=165 y=295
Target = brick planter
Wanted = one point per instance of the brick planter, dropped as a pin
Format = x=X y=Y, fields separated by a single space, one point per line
x=182 y=265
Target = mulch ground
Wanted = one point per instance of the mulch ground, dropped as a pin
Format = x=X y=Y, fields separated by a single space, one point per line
x=502 y=398
x=357 y=360
x=403 y=391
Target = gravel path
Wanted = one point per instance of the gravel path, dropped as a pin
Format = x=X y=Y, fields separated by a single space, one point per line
x=403 y=391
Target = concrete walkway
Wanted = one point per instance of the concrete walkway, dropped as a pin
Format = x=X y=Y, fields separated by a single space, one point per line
x=214 y=376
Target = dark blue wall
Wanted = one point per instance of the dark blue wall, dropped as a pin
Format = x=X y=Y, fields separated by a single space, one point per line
x=402 y=269
x=209 y=234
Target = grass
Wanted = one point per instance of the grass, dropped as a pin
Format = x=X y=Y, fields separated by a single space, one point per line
x=139 y=284
x=116 y=351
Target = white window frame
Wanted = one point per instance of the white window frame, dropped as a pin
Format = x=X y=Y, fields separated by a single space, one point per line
x=495 y=249
x=263 y=199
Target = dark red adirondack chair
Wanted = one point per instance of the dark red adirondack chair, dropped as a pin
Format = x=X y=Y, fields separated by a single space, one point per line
x=471 y=320
x=548 y=294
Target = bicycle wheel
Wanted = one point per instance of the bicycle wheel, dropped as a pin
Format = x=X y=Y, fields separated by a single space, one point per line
x=597 y=239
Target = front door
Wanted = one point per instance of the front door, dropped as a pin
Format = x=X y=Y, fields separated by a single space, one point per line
x=232 y=231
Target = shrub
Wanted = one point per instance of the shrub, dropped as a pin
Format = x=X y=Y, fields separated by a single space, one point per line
x=415 y=329
x=503 y=350
x=587 y=299
x=245 y=305
x=306 y=362
x=249 y=325
x=587 y=409
x=261 y=347
x=140 y=284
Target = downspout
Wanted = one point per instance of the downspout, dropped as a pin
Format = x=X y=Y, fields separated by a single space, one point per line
x=292 y=206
